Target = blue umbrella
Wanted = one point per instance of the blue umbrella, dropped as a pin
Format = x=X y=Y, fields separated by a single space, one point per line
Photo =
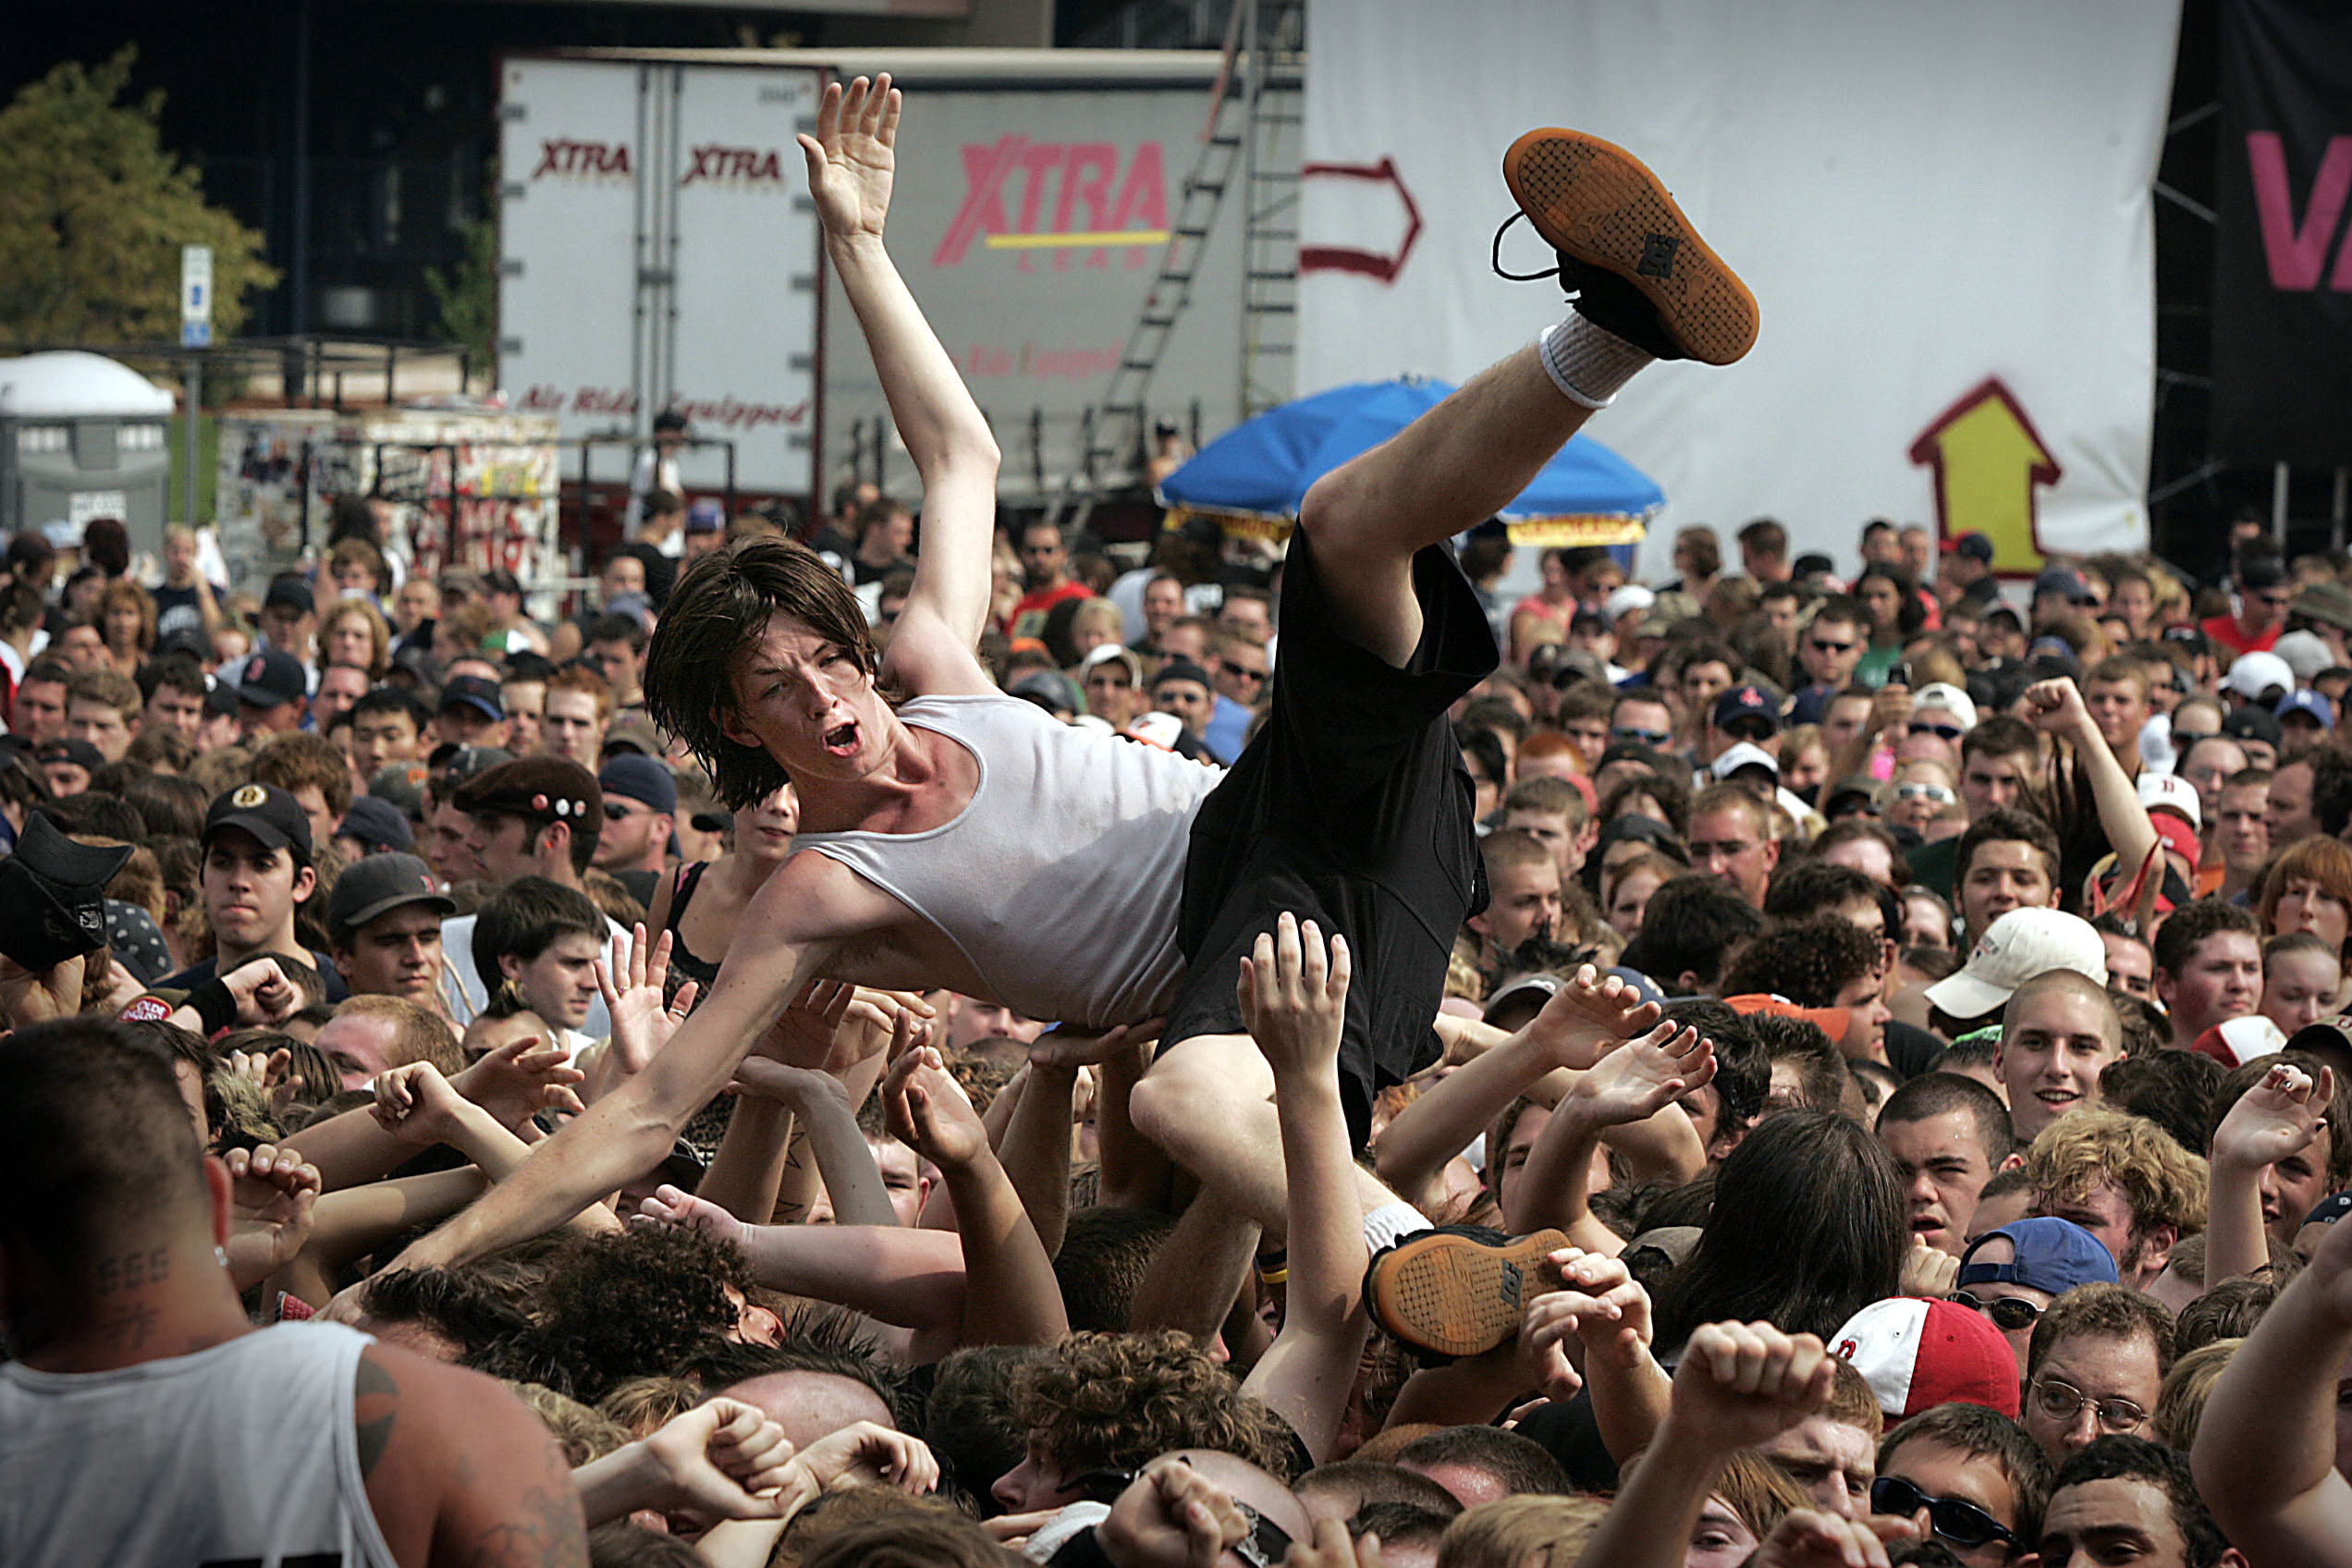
x=1256 y=474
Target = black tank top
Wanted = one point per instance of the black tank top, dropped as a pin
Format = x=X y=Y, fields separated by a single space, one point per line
x=683 y=964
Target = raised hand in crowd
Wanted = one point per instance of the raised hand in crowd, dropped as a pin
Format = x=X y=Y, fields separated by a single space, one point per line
x=272 y=1193
x=644 y=1015
x=520 y=1079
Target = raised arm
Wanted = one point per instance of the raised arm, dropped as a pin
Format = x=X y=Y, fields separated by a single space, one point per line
x=2057 y=709
x=2265 y=1451
x=2276 y=1120
x=1293 y=1001
x=797 y=922
x=1638 y=1080
x=851 y=161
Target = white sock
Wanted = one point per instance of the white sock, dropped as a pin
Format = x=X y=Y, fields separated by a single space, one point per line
x=1586 y=362
x=1390 y=1224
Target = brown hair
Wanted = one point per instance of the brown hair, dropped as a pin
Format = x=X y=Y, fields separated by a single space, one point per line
x=122 y=590
x=1509 y=1530
x=2327 y=862
x=719 y=610
x=379 y=634
x=580 y=678
x=305 y=757
x=2160 y=1182
x=118 y=692
x=1119 y=1400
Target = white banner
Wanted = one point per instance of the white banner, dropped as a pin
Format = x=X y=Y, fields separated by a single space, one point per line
x=1943 y=211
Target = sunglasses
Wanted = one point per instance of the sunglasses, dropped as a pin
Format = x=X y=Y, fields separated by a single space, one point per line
x=1947 y=731
x=1647 y=737
x=1265 y=1547
x=1756 y=729
x=1960 y=1521
x=2010 y=1313
x=1820 y=648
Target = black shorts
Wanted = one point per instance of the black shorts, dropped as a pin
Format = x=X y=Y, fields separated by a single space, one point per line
x=1350 y=807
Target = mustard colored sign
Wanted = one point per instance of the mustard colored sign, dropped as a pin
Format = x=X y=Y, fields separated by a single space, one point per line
x=1990 y=464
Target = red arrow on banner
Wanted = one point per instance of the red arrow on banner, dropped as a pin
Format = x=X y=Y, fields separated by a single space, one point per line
x=1370 y=263
x=1990 y=462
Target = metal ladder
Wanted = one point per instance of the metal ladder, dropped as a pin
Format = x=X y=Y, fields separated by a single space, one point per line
x=1259 y=101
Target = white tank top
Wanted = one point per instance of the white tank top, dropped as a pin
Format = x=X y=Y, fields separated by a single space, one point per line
x=244 y=1453
x=1060 y=881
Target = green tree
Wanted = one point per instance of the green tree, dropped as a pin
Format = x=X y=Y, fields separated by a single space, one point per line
x=467 y=298
x=93 y=213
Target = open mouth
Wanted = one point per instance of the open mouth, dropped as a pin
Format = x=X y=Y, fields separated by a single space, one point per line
x=842 y=740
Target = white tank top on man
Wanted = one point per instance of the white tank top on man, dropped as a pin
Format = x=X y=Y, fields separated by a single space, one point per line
x=242 y=1454
x=1060 y=880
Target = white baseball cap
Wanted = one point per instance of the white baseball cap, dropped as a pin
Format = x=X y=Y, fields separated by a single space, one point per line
x=1944 y=695
x=1632 y=596
x=1746 y=753
x=2304 y=652
x=2173 y=791
x=2254 y=674
x=2015 y=948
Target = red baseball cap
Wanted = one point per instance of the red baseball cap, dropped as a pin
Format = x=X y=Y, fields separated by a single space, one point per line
x=1918 y=1353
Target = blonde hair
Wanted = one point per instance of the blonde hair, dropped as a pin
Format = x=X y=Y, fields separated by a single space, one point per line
x=2180 y=1404
x=1528 y=1531
x=2161 y=1183
x=379 y=634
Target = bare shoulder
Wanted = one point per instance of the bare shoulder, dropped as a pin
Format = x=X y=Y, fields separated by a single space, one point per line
x=929 y=657
x=459 y=1473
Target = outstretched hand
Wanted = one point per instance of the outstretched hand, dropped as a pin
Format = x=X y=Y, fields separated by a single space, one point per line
x=633 y=986
x=1644 y=1076
x=1592 y=1013
x=1599 y=1304
x=2277 y=1117
x=1293 y=997
x=723 y=1459
x=1171 y=1516
x=676 y=1206
x=272 y=1193
x=1807 y=1538
x=851 y=158
x=36 y=996
x=520 y=1079
x=926 y=1111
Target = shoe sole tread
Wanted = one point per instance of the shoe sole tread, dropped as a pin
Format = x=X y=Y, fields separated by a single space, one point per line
x=1460 y=1296
x=1603 y=205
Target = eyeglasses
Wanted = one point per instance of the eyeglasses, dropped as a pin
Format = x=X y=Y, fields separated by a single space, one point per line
x=1265 y=1547
x=1956 y=1520
x=2061 y=1402
x=1646 y=737
x=1948 y=731
x=2010 y=1313
x=1935 y=792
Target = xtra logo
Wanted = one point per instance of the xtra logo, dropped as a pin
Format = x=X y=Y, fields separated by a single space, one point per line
x=1097 y=203
x=748 y=164
x=608 y=160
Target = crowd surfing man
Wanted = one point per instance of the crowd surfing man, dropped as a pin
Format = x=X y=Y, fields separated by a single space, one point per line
x=1469 y=1129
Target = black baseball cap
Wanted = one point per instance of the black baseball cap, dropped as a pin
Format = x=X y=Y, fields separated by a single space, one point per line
x=289 y=589
x=1971 y=545
x=640 y=778
x=476 y=692
x=378 y=824
x=2252 y=723
x=1747 y=702
x=379 y=883
x=81 y=753
x=271 y=677
x=266 y=812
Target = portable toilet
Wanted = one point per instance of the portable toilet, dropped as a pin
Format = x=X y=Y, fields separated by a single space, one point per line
x=82 y=437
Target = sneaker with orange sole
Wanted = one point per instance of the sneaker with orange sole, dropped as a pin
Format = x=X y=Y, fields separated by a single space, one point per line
x=1635 y=263
x=1460 y=1290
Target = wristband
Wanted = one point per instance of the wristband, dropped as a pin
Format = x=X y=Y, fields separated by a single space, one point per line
x=213 y=1005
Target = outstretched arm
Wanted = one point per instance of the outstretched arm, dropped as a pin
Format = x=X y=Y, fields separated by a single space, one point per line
x=2265 y=1451
x=795 y=924
x=851 y=163
x=2056 y=707
x=1293 y=997
x=1638 y=1080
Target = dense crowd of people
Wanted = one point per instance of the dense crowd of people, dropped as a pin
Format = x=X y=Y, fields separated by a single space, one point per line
x=955 y=1047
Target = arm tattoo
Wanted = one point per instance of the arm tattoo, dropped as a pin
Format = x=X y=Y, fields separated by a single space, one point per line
x=546 y=1532
x=375 y=1434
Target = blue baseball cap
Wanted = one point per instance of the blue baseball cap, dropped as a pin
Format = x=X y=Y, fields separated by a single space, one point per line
x=2052 y=1254
x=2310 y=702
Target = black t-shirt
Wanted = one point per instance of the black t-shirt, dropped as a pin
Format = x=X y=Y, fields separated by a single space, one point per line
x=196 y=974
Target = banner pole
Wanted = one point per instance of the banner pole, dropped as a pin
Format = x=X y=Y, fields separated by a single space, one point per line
x=2278 y=506
x=2336 y=510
